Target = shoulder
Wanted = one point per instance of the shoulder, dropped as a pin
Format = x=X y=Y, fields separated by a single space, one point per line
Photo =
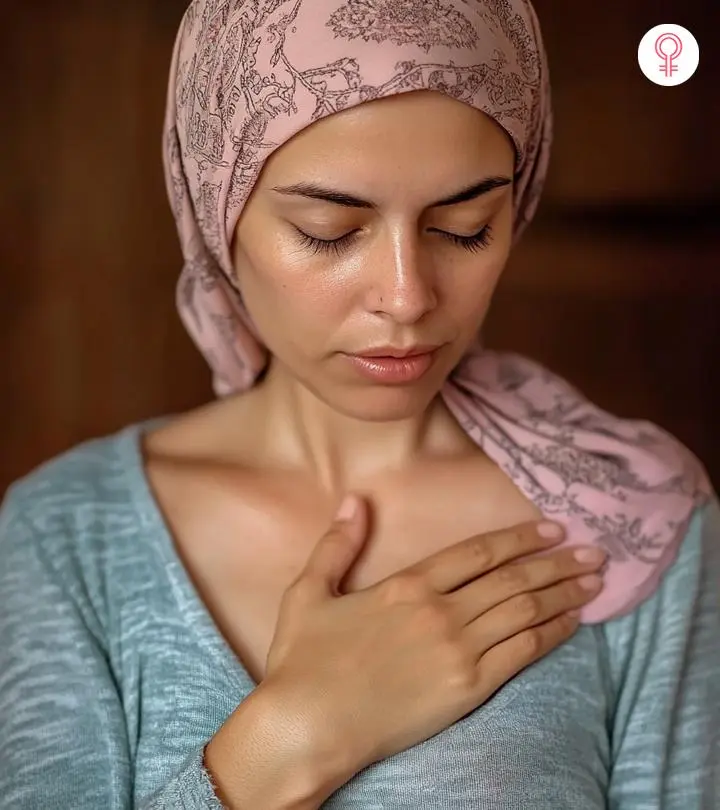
x=694 y=577
x=686 y=603
x=625 y=484
x=64 y=492
x=69 y=521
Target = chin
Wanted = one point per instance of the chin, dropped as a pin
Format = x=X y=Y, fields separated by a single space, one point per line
x=379 y=403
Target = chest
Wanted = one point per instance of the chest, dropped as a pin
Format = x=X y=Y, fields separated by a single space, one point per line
x=243 y=546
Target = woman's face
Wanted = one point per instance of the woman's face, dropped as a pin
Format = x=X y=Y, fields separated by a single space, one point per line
x=352 y=240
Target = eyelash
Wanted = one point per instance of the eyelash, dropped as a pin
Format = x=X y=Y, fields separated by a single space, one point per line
x=474 y=243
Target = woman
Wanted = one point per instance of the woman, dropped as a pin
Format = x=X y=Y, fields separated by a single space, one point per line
x=348 y=179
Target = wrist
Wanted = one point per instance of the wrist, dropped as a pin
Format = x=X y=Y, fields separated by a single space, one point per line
x=270 y=754
x=322 y=762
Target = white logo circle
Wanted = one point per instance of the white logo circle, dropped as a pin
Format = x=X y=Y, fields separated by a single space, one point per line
x=668 y=55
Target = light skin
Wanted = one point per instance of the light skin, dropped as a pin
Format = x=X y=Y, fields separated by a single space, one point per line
x=395 y=268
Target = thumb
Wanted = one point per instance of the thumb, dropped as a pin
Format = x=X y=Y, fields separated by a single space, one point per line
x=339 y=547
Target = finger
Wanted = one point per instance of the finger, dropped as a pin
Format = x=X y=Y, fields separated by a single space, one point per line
x=336 y=550
x=530 y=609
x=454 y=566
x=482 y=594
x=505 y=660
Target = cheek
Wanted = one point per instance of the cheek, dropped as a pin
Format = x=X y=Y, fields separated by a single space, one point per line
x=285 y=293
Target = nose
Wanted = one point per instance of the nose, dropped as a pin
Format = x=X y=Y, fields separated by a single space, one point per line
x=403 y=286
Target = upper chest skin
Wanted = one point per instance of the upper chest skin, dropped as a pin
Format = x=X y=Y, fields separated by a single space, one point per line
x=245 y=536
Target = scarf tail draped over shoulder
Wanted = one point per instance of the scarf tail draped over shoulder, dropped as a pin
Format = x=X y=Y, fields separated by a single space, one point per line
x=247 y=75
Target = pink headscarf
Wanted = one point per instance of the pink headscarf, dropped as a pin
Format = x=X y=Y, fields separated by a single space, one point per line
x=249 y=74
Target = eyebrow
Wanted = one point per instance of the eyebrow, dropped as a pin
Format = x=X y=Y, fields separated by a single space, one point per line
x=316 y=192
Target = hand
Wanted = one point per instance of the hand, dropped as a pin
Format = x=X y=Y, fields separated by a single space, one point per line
x=378 y=670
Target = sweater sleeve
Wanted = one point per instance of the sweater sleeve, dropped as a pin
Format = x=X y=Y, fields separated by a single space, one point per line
x=63 y=736
x=665 y=664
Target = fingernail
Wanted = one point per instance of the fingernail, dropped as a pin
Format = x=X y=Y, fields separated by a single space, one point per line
x=591 y=582
x=550 y=531
x=347 y=509
x=589 y=555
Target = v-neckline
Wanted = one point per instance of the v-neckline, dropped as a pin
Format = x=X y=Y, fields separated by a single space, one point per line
x=152 y=523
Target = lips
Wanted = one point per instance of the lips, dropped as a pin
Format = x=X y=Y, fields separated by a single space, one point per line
x=402 y=367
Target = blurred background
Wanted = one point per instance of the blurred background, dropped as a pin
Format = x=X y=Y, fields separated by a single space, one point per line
x=615 y=286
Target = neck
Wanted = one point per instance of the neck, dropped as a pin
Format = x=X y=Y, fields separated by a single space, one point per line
x=339 y=451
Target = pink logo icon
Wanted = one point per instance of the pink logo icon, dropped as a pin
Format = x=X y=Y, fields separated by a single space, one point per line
x=668 y=47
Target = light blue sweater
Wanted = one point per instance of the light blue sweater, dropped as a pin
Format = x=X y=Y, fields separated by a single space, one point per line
x=113 y=676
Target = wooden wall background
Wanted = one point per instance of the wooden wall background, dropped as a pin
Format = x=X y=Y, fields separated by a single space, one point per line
x=616 y=285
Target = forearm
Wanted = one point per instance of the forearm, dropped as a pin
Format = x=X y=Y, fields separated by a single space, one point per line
x=267 y=756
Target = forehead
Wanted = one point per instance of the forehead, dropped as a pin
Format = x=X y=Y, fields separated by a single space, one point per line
x=424 y=134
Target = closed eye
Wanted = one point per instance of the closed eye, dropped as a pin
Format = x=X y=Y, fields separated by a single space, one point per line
x=473 y=243
x=326 y=245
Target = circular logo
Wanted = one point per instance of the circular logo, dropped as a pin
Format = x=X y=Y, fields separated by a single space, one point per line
x=668 y=55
